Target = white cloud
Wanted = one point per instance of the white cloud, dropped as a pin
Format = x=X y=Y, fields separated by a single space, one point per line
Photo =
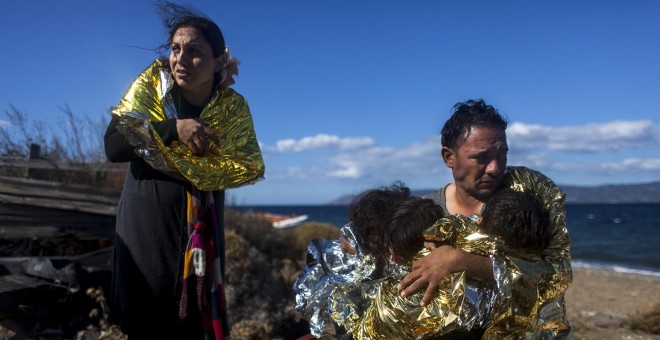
x=360 y=160
x=389 y=162
x=322 y=141
x=608 y=136
x=545 y=148
x=632 y=165
x=595 y=172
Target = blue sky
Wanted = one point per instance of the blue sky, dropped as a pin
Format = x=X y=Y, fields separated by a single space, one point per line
x=349 y=95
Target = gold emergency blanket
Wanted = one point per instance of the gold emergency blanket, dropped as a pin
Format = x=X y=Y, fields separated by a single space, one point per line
x=458 y=305
x=527 y=302
x=235 y=162
x=531 y=290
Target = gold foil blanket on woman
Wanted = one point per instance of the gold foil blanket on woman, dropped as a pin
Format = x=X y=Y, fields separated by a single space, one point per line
x=235 y=162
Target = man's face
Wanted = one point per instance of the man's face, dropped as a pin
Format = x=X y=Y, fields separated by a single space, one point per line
x=479 y=162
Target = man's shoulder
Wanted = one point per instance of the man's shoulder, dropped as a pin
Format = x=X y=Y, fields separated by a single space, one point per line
x=439 y=198
x=436 y=195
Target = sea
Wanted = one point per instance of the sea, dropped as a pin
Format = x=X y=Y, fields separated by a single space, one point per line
x=618 y=237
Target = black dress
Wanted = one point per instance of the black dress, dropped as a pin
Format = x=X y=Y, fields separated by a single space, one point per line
x=151 y=237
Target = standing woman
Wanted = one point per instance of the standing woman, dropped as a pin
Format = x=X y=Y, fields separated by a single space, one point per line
x=187 y=136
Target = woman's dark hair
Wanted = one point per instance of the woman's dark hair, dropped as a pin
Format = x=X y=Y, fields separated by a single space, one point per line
x=176 y=16
x=469 y=114
x=370 y=212
x=519 y=218
x=405 y=233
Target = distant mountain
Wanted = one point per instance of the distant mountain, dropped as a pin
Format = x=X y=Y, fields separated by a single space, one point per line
x=614 y=193
x=602 y=194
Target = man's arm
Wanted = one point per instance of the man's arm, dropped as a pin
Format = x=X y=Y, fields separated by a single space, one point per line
x=439 y=264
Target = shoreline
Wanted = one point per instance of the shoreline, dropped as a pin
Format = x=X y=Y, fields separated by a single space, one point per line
x=600 y=299
x=617 y=268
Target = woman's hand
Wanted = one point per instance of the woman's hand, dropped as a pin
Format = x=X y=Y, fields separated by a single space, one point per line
x=196 y=135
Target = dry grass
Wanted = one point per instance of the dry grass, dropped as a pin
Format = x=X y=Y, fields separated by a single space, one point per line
x=648 y=322
x=289 y=243
x=262 y=265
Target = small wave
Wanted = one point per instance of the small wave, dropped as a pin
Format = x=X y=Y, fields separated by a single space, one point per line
x=614 y=268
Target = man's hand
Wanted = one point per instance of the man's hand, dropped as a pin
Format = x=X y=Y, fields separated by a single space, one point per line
x=429 y=271
x=438 y=265
x=196 y=135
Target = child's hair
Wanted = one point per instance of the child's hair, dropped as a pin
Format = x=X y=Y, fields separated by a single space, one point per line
x=370 y=213
x=519 y=219
x=405 y=233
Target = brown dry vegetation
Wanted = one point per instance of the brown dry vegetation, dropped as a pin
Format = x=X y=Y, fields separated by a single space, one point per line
x=262 y=265
x=648 y=321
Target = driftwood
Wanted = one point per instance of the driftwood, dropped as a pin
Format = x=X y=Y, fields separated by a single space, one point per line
x=35 y=208
x=58 y=196
x=55 y=242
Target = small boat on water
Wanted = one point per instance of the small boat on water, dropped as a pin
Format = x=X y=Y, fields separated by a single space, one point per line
x=282 y=221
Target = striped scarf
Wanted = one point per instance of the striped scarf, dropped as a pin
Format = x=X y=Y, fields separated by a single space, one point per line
x=203 y=292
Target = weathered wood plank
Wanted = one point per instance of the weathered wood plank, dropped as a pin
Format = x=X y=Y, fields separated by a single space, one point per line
x=45 y=194
x=25 y=221
x=62 y=204
x=39 y=188
x=50 y=165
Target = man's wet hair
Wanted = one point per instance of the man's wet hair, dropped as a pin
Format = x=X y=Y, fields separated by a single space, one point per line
x=469 y=114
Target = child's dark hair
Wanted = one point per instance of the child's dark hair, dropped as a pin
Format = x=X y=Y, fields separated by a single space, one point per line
x=370 y=213
x=405 y=234
x=519 y=218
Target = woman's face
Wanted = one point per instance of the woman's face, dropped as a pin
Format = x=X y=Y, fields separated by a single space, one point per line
x=192 y=62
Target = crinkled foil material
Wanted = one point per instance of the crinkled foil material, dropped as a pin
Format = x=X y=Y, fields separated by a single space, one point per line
x=459 y=304
x=327 y=267
x=237 y=161
x=531 y=288
x=527 y=301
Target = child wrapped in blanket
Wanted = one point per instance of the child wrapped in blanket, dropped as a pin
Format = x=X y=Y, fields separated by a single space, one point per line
x=512 y=221
x=356 y=256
